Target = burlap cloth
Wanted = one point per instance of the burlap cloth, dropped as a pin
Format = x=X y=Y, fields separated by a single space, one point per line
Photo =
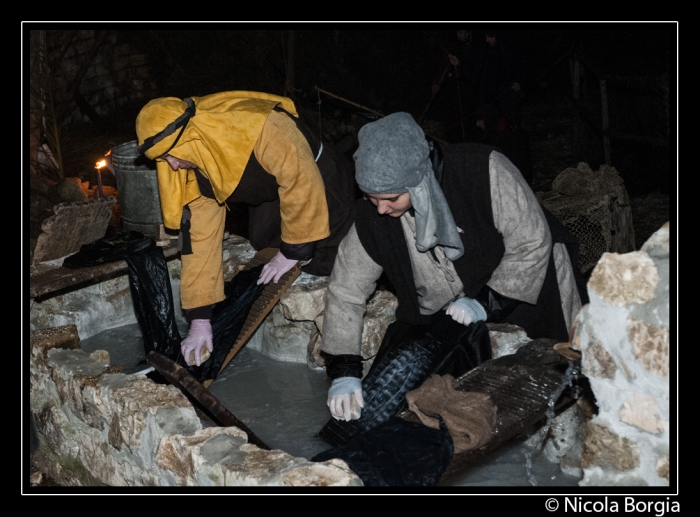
x=469 y=416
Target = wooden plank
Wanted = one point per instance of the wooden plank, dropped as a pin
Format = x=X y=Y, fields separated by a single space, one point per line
x=182 y=379
x=522 y=386
x=47 y=279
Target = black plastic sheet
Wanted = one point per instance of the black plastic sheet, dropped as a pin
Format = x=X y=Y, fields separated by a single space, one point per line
x=227 y=320
x=396 y=453
x=107 y=249
x=151 y=292
x=152 y=296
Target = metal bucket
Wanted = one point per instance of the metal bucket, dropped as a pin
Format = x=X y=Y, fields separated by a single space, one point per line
x=137 y=187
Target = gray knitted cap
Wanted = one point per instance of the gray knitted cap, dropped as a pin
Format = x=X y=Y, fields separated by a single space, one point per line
x=392 y=158
x=392 y=155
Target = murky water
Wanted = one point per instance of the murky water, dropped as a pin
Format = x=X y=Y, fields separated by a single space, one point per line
x=284 y=404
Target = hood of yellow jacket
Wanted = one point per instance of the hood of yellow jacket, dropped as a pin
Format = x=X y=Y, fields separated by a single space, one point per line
x=219 y=138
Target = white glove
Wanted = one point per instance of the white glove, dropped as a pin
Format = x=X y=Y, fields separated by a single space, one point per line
x=345 y=398
x=199 y=336
x=466 y=310
x=277 y=267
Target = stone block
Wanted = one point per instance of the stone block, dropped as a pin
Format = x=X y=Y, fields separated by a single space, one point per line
x=640 y=411
x=71 y=226
x=506 y=338
x=597 y=362
x=98 y=426
x=606 y=449
x=650 y=345
x=305 y=298
x=622 y=279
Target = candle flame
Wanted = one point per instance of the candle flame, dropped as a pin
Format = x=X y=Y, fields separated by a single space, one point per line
x=100 y=164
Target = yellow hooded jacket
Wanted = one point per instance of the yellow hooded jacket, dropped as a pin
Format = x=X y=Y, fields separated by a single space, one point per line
x=220 y=138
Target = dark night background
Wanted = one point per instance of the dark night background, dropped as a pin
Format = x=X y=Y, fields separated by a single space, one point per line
x=388 y=67
x=382 y=68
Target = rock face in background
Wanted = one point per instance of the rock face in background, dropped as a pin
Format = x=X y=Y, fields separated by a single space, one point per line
x=595 y=208
x=624 y=338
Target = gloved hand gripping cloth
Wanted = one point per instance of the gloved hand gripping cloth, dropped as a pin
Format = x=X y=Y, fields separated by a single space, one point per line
x=149 y=281
x=275 y=268
x=345 y=398
x=409 y=355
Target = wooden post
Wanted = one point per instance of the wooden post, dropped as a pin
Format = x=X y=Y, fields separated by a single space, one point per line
x=574 y=71
x=605 y=120
x=432 y=96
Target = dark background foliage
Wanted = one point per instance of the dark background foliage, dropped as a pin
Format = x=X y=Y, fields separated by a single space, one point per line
x=382 y=68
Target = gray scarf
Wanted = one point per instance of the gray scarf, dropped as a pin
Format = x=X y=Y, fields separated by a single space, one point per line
x=392 y=158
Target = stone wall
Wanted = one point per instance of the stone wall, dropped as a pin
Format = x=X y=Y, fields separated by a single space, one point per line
x=98 y=426
x=624 y=338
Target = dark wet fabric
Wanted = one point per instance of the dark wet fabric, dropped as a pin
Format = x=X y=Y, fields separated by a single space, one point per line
x=153 y=301
x=151 y=292
x=396 y=453
x=497 y=306
x=152 y=296
x=407 y=357
x=227 y=320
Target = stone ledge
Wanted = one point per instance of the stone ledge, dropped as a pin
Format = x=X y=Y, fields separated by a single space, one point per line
x=96 y=426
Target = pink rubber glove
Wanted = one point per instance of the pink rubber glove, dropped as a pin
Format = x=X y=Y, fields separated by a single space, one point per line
x=277 y=267
x=199 y=336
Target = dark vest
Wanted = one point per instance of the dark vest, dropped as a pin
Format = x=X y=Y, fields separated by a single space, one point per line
x=256 y=185
x=466 y=187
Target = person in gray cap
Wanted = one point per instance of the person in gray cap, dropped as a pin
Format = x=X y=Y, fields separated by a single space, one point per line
x=471 y=240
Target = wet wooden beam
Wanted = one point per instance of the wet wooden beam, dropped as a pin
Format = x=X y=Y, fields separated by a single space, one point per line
x=49 y=280
x=522 y=386
x=182 y=379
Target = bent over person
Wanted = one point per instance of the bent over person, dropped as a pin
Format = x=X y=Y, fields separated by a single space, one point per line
x=471 y=242
x=251 y=148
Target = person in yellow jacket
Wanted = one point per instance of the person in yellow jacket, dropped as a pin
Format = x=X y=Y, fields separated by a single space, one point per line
x=252 y=148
